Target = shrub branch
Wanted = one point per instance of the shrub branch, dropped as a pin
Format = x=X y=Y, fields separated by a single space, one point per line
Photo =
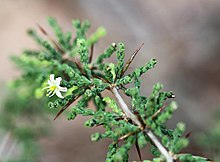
x=150 y=134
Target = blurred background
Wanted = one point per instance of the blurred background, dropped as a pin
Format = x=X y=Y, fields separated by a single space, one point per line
x=184 y=36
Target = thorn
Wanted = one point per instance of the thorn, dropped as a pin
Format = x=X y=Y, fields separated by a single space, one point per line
x=101 y=78
x=42 y=30
x=57 y=46
x=65 y=107
x=51 y=39
x=79 y=67
x=91 y=53
x=125 y=136
x=131 y=58
x=158 y=111
x=119 y=118
x=97 y=125
x=188 y=134
x=138 y=150
x=62 y=110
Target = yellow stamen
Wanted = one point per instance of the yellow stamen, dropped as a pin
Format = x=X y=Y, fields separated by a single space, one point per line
x=52 y=88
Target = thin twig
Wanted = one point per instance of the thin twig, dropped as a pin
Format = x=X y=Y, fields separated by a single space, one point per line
x=131 y=59
x=150 y=134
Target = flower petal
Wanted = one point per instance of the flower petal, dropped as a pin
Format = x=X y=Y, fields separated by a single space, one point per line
x=62 y=89
x=49 y=83
x=52 y=78
x=59 y=94
x=58 y=80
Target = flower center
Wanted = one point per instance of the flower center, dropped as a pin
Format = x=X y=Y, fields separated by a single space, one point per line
x=52 y=88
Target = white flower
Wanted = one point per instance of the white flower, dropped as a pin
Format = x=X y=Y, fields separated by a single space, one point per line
x=54 y=87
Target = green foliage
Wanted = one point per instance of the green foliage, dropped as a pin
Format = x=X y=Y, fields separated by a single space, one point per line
x=70 y=59
x=24 y=119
